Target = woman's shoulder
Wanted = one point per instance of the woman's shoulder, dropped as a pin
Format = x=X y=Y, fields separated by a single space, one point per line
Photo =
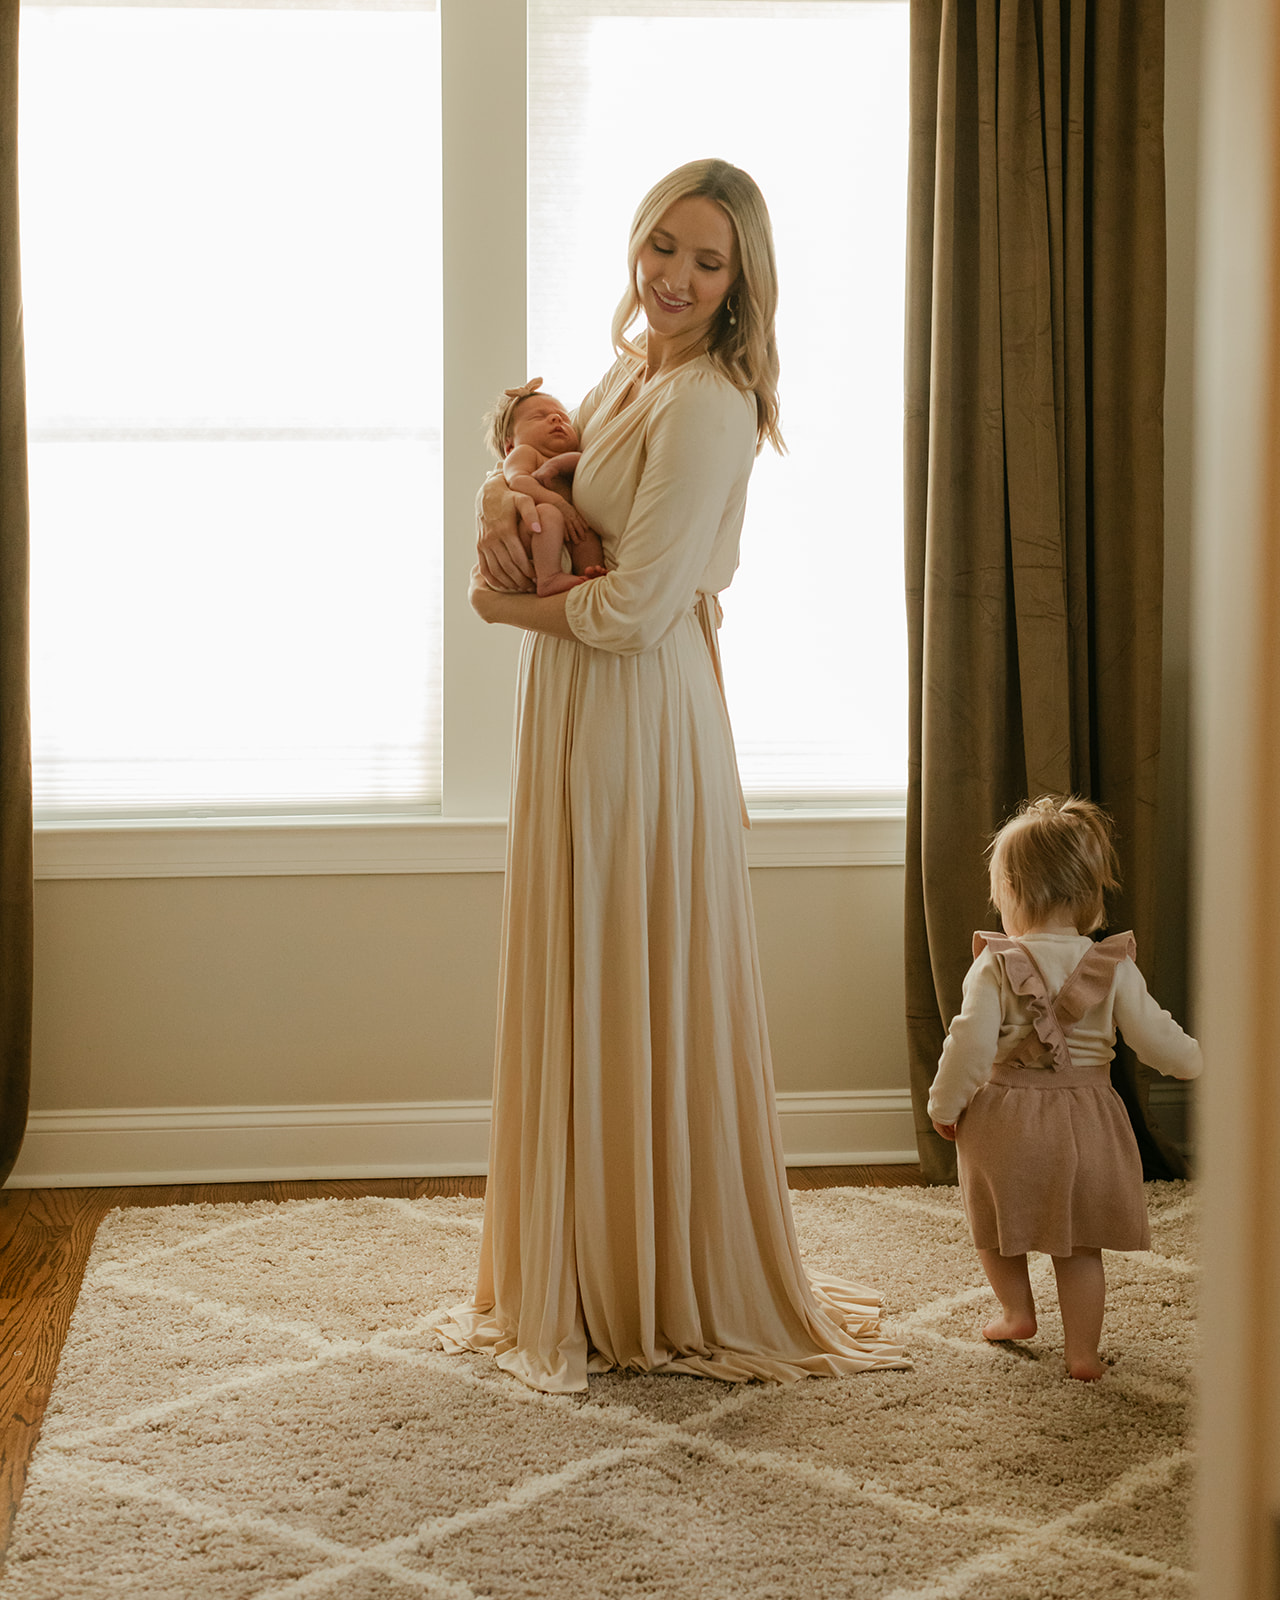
x=698 y=389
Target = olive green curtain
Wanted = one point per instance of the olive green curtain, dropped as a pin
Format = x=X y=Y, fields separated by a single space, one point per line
x=15 y=714
x=1034 y=464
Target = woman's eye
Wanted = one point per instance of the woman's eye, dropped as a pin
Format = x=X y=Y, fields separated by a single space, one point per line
x=664 y=249
x=710 y=266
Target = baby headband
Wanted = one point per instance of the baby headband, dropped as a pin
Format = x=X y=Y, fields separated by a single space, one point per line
x=524 y=391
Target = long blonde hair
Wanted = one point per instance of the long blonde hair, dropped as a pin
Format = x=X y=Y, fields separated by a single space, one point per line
x=742 y=344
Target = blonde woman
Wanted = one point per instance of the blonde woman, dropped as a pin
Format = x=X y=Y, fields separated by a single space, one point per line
x=637 y=1213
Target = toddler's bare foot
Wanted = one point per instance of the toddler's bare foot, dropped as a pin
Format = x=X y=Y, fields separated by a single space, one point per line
x=1088 y=1369
x=1007 y=1327
x=558 y=583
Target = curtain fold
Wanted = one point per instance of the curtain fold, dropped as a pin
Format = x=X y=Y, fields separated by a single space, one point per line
x=1034 y=465
x=15 y=714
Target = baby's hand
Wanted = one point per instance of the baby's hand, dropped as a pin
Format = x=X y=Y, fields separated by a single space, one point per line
x=575 y=524
x=946 y=1129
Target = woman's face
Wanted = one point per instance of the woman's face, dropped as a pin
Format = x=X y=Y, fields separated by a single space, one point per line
x=686 y=267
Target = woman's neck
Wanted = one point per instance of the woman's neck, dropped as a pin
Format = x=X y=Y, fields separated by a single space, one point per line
x=662 y=355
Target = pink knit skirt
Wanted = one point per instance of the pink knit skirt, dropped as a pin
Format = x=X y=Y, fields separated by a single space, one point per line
x=1048 y=1161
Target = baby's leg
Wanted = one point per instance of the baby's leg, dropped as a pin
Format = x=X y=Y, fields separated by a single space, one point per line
x=546 y=547
x=588 y=555
x=1008 y=1276
x=1082 y=1288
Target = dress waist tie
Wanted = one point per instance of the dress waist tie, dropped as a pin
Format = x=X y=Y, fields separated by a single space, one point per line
x=710 y=615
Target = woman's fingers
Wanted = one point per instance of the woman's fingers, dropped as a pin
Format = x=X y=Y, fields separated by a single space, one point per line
x=500 y=552
x=503 y=566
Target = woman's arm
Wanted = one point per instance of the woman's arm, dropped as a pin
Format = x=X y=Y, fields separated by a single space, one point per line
x=535 y=613
x=699 y=448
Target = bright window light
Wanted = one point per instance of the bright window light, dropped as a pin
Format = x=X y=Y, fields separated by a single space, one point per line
x=811 y=99
x=230 y=245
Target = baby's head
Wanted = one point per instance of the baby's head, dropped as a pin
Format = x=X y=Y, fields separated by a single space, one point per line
x=523 y=416
x=1054 y=861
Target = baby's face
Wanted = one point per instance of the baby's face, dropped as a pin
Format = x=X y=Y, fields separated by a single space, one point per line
x=541 y=421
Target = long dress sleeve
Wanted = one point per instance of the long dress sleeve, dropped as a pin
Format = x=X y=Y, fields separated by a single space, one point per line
x=699 y=449
x=971 y=1042
x=1150 y=1032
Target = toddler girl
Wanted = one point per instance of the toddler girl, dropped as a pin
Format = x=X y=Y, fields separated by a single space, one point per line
x=532 y=436
x=1046 y=1155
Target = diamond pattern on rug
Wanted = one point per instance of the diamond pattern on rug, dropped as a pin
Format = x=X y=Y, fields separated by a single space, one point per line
x=252 y=1405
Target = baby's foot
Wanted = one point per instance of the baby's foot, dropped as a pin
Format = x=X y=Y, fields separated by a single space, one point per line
x=1088 y=1369
x=558 y=583
x=1008 y=1327
x=594 y=572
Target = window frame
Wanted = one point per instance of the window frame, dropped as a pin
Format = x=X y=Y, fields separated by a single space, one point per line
x=483 y=60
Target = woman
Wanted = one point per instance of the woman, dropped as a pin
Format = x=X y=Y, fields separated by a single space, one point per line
x=637 y=1212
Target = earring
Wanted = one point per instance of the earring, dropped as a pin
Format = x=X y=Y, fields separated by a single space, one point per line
x=732 y=310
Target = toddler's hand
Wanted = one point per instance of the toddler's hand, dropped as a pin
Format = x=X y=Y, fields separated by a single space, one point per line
x=946 y=1129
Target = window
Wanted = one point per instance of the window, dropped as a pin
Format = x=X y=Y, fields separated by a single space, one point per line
x=257 y=303
x=811 y=99
x=230 y=235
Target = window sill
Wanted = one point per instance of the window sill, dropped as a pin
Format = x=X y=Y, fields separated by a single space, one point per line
x=355 y=847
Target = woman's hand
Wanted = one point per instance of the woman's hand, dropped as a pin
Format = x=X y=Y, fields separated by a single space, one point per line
x=946 y=1129
x=502 y=559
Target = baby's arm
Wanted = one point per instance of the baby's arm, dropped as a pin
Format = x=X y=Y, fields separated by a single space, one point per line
x=521 y=468
x=970 y=1047
x=1150 y=1032
x=562 y=466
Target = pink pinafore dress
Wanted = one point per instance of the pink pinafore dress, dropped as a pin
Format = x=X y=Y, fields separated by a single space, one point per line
x=1046 y=1154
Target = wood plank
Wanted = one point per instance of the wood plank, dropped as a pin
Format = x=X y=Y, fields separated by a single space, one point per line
x=343 y=1189
x=44 y=1264
x=854 y=1177
x=471 y=1186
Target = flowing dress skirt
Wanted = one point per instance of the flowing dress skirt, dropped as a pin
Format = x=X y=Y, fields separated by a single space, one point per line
x=637 y=1212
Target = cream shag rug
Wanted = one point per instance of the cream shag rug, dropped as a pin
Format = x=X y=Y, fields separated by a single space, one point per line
x=251 y=1403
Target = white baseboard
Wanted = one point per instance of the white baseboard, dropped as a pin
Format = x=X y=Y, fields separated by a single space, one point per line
x=443 y=1138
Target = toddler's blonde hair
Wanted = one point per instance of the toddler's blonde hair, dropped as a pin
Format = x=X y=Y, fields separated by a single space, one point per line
x=1055 y=852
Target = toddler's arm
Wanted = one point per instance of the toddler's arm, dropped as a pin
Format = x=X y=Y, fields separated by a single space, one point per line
x=971 y=1043
x=1152 y=1034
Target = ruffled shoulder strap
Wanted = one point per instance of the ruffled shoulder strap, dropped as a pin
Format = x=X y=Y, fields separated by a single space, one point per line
x=1027 y=980
x=1092 y=978
x=1052 y=1020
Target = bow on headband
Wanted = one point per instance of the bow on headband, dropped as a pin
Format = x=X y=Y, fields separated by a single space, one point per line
x=524 y=391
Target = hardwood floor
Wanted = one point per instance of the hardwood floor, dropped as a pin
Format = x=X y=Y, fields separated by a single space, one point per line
x=46 y=1236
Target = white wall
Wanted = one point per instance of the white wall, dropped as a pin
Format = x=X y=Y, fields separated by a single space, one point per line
x=317 y=992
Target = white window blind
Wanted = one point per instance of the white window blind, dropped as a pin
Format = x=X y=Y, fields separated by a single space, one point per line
x=811 y=99
x=230 y=239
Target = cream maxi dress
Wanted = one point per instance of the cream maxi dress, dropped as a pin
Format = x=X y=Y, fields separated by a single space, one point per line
x=637 y=1213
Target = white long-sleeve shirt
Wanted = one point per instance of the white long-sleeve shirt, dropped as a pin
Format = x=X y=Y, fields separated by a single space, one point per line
x=993 y=1019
